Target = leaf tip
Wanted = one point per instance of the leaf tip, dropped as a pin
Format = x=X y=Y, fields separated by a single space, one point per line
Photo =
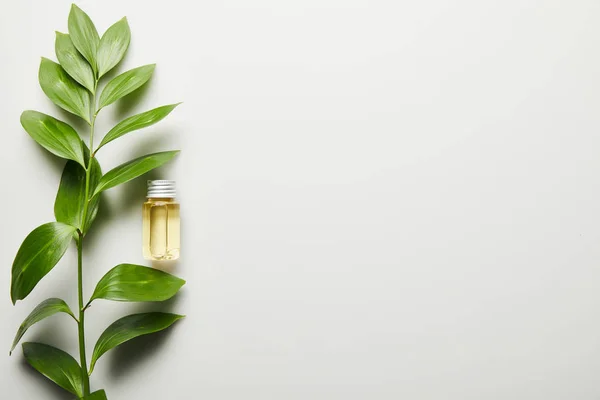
x=45 y=60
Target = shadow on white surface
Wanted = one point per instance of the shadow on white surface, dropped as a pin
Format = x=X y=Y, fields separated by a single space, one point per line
x=50 y=389
x=145 y=348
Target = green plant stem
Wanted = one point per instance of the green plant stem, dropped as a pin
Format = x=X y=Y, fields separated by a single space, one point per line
x=82 y=358
x=81 y=323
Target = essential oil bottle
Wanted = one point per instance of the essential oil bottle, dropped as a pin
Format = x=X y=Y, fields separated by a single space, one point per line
x=161 y=225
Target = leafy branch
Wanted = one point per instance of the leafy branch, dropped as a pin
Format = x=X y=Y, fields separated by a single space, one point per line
x=72 y=84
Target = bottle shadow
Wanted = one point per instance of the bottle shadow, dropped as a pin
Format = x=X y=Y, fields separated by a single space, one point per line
x=166 y=266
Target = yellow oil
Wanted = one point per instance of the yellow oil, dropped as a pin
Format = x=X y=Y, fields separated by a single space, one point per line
x=161 y=229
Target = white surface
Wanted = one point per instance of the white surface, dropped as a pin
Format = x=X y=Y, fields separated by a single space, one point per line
x=381 y=199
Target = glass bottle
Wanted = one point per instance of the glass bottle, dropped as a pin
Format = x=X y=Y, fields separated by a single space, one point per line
x=161 y=226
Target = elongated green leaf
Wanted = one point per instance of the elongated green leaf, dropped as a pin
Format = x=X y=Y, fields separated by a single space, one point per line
x=63 y=90
x=132 y=169
x=113 y=45
x=55 y=365
x=136 y=122
x=40 y=252
x=55 y=136
x=72 y=62
x=44 y=310
x=99 y=395
x=84 y=34
x=129 y=282
x=70 y=199
x=131 y=327
x=124 y=84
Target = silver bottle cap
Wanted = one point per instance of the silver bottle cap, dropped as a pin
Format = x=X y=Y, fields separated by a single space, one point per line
x=161 y=189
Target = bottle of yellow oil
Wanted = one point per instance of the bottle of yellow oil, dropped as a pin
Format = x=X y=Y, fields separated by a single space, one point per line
x=161 y=224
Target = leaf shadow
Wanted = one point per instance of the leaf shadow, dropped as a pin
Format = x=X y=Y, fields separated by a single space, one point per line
x=74 y=121
x=48 y=330
x=142 y=349
x=56 y=163
x=125 y=105
x=51 y=390
x=133 y=194
x=103 y=219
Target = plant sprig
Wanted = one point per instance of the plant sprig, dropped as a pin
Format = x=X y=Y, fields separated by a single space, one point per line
x=84 y=57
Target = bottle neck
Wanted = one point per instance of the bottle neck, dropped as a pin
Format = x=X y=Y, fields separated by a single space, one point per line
x=161 y=199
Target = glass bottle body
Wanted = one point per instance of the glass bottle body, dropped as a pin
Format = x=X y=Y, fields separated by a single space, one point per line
x=161 y=229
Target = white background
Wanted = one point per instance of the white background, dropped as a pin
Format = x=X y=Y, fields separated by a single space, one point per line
x=380 y=199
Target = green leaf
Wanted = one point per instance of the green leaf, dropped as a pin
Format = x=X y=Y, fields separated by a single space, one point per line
x=129 y=282
x=44 y=310
x=84 y=34
x=70 y=199
x=113 y=45
x=72 y=62
x=63 y=90
x=55 y=365
x=132 y=169
x=131 y=327
x=98 y=395
x=55 y=136
x=124 y=84
x=136 y=122
x=40 y=252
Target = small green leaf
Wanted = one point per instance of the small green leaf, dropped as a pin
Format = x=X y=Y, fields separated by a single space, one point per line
x=113 y=45
x=55 y=365
x=132 y=169
x=98 y=395
x=131 y=327
x=55 y=136
x=124 y=84
x=136 y=122
x=70 y=199
x=44 y=310
x=84 y=34
x=129 y=282
x=40 y=252
x=72 y=61
x=63 y=90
